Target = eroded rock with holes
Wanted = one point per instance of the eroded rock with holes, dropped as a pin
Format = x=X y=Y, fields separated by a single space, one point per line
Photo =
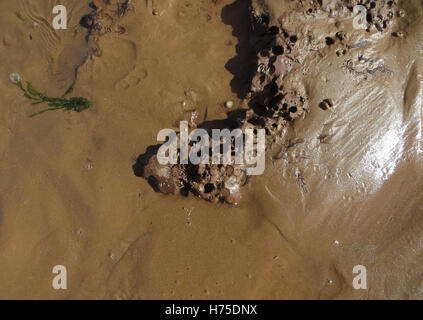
x=286 y=33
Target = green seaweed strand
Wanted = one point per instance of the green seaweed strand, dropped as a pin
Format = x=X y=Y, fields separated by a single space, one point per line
x=77 y=104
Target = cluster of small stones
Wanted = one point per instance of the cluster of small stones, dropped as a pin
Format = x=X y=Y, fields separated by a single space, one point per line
x=380 y=14
x=104 y=17
x=272 y=103
x=211 y=182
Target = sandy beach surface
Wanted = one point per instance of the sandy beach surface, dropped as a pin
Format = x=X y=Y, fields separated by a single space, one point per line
x=69 y=195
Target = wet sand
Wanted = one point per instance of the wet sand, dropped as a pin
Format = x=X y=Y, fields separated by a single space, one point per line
x=69 y=196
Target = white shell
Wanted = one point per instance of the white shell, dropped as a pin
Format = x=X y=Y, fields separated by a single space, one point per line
x=15 y=77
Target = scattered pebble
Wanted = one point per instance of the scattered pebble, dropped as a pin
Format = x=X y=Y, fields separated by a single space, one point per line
x=7 y=41
x=326 y=104
x=329 y=41
x=398 y=34
x=229 y=104
x=98 y=4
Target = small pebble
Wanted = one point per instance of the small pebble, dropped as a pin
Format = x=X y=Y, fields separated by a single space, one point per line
x=229 y=104
x=7 y=41
x=98 y=4
x=401 y=13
